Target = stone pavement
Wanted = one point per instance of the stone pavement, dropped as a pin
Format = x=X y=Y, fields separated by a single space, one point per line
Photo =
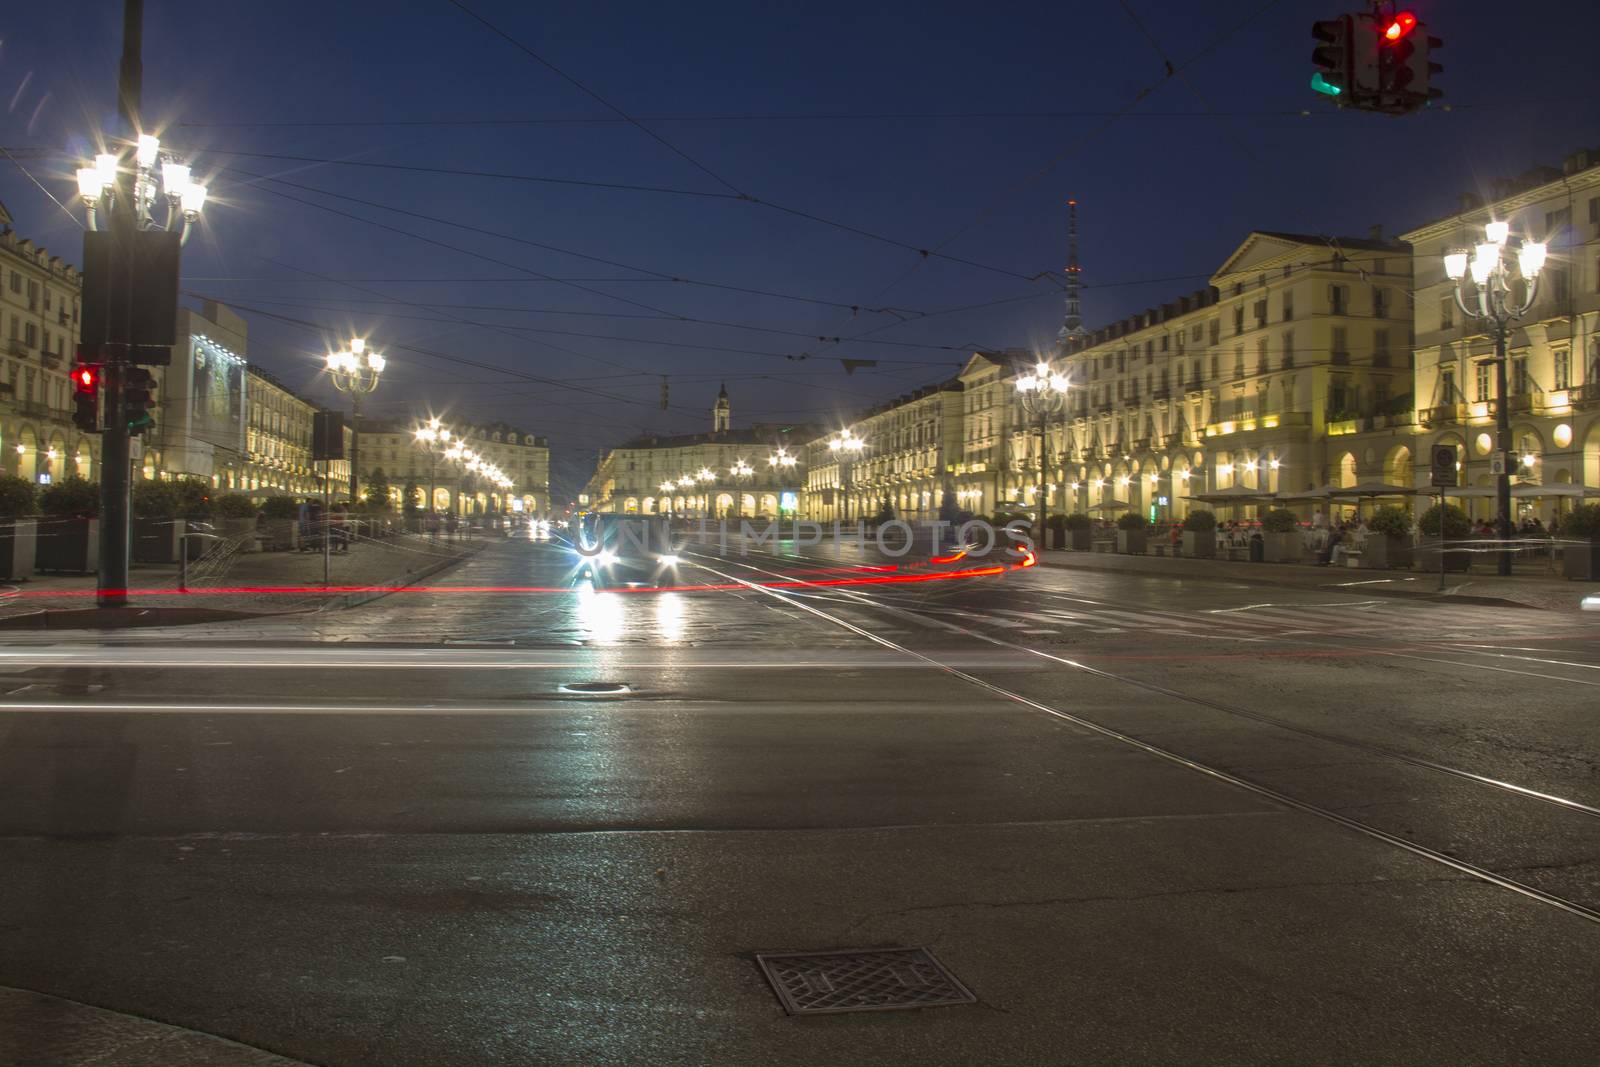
x=1534 y=588
x=250 y=582
x=39 y=1029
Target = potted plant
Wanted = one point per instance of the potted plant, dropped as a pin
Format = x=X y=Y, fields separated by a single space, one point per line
x=238 y=514
x=1081 y=528
x=19 y=530
x=1581 y=560
x=69 y=536
x=280 y=527
x=156 y=528
x=1388 y=541
x=1200 y=534
x=1055 y=528
x=1443 y=525
x=412 y=506
x=196 y=507
x=1281 y=537
x=1132 y=532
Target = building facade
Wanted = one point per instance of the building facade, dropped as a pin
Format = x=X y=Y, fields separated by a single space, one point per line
x=1553 y=371
x=727 y=473
x=393 y=449
x=910 y=449
x=39 y=308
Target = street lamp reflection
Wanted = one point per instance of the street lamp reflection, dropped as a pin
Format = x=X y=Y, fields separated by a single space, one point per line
x=600 y=614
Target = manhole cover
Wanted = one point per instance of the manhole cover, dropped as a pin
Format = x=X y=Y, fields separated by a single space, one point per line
x=820 y=983
x=595 y=689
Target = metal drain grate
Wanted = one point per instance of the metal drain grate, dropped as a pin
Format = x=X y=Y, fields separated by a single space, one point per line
x=821 y=983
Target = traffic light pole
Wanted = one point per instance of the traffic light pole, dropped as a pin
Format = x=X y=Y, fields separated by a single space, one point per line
x=115 y=456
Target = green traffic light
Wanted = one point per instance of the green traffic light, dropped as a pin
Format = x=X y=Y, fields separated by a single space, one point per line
x=1324 y=86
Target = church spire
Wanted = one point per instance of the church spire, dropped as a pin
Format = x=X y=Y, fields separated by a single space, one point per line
x=1072 y=331
x=722 y=412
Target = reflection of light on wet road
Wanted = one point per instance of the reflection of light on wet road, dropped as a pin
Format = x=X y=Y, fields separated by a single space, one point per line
x=599 y=614
x=669 y=617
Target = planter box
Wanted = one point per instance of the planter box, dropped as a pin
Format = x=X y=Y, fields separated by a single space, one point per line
x=1082 y=540
x=1386 y=553
x=155 y=540
x=279 y=535
x=1427 y=555
x=1131 y=542
x=18 y=541
x=1581 y=561
x=242 y=530
x=1200 y=544
x=1283 y=546
x=68 y=545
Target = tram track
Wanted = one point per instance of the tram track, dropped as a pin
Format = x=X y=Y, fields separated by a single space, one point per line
x=800 y=600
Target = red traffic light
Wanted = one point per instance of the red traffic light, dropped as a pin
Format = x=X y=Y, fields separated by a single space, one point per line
x=86 y=378
x=1403 y=24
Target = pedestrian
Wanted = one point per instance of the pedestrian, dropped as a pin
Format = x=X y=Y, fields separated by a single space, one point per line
x=451 y=524
x=430 y=522
x=303 y=520
x=339 y=530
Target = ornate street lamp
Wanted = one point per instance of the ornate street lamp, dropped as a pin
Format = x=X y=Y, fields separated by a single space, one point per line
x=1043 y=393
x=1491 y=298
x=355 y=370
x=436 y=439
x=845 y=445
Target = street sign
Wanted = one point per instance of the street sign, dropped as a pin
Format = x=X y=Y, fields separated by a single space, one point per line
x=1497 y=464
x=144 y=317
x=1444 y=465
x=327 y=435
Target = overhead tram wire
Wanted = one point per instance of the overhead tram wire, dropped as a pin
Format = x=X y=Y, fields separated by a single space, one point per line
x=504 y=328
x=923 y=252
x=322 y=330
x=741 y=198
x=822 y=339
x=652 y=273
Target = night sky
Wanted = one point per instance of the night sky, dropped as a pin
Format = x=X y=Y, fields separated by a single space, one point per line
x=961 y=128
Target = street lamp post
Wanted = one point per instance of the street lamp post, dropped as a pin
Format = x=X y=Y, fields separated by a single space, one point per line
x=742 y=472
x=435 y=438
x=846 y=445
x=1492 y=300
x=355 y=371
x=122 y=201
x=782 y=464
x=1043 y=392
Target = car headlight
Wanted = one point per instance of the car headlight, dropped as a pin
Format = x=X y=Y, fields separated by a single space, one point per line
x=669 y=560
x=605 y=559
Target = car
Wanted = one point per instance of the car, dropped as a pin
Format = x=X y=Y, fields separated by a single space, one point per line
x=627 y=550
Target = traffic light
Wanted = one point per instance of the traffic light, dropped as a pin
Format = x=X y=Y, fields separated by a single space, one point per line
x=1332 y=57
x=86 y=397
x=1405 y=69
x=138 y=399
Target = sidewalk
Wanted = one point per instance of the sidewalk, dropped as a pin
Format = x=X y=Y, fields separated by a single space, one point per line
x=46 y=1031
x=1535 y=590
x=252 y=584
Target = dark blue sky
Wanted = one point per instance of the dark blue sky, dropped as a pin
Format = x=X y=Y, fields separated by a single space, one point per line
x=1167 y=189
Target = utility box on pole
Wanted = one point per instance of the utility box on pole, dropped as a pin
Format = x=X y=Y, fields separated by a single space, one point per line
x=147 y=324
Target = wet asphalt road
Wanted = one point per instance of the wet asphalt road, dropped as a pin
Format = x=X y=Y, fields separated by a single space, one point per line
x=387 y=836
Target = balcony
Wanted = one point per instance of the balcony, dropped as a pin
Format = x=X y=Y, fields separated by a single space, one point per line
x=17 y=348
x=1585 y=395
x=52 y=359
x=1340 y=359
x=1525 y=401
x=1106 y=409
x=1161 y=394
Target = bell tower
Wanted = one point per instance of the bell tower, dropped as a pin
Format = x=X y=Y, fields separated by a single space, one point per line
x=722 y=413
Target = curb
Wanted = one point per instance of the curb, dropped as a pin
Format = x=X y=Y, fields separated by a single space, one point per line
x=42 y=1030
x=354 y=600
x=1252 y=579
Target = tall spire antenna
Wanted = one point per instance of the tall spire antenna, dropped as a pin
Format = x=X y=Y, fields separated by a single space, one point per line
x=1072 y=331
